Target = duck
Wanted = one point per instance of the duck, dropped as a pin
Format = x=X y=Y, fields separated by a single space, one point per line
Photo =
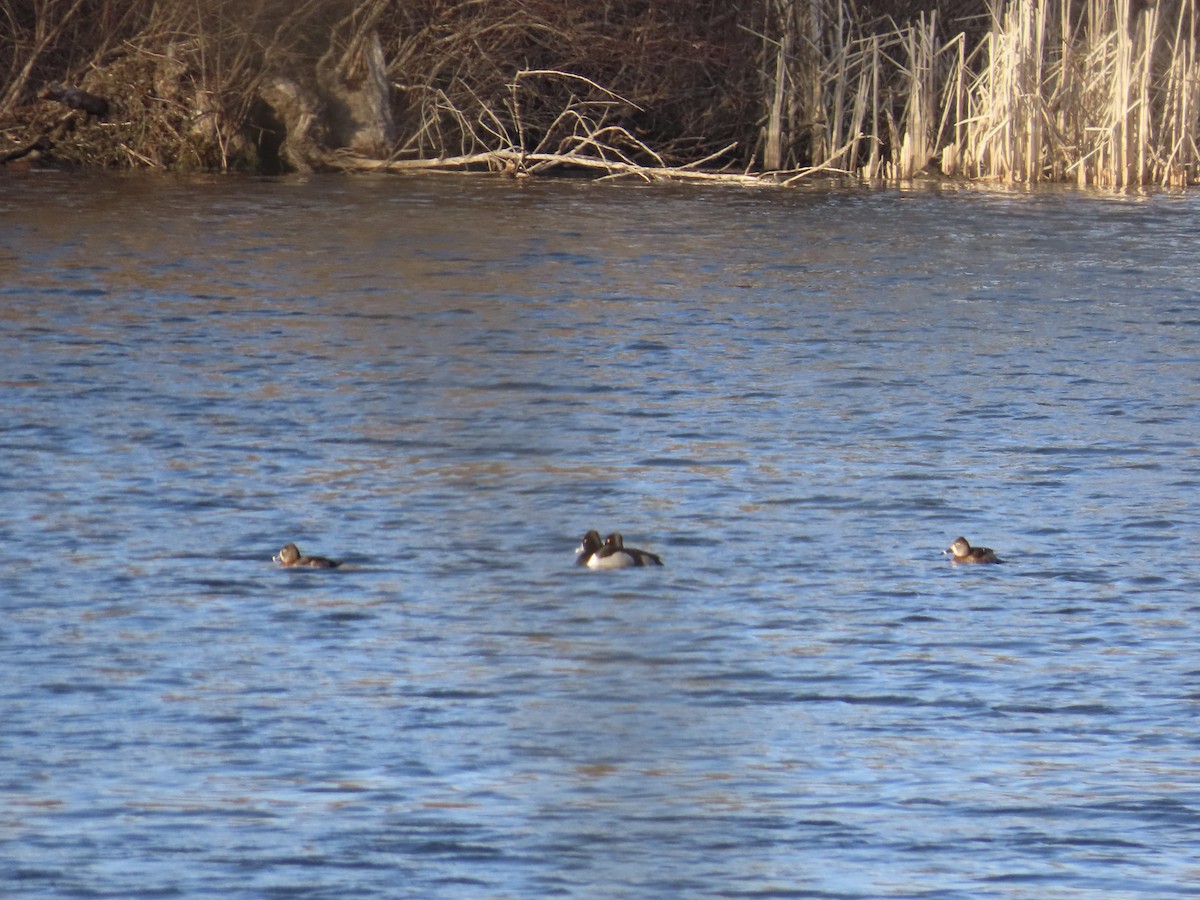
x=615 y=555
x=965 y=553
x=588 y=548
x=290 y=556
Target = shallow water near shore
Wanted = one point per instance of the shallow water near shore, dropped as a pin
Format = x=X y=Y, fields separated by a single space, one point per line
x=796 y=399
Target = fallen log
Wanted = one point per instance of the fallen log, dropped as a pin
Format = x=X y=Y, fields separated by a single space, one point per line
x=520 y=164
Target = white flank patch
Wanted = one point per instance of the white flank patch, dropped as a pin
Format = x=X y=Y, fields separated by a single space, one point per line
x=616 y=561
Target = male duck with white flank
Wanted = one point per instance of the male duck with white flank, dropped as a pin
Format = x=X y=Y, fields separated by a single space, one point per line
x=590 y=546
x=613 y=554
x=290 y=556
x=963 y=552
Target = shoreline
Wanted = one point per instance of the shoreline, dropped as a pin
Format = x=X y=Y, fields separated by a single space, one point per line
x=1105 y=95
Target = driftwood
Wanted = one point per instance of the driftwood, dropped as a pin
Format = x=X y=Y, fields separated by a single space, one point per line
x=30 y=153
x=580 y=137
x=518 y=164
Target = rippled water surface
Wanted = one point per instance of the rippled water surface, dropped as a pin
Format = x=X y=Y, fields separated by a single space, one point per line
x=797 y=399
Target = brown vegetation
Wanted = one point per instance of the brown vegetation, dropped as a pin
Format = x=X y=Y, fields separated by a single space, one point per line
x=1093 y=91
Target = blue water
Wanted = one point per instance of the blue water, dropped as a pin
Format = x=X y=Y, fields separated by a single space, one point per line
x=797 y=399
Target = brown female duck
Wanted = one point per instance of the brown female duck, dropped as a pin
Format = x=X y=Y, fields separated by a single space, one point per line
x=963 y=552
x=290 y=556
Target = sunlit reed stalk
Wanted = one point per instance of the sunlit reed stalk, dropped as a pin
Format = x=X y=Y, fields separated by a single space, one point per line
x=1104 y=92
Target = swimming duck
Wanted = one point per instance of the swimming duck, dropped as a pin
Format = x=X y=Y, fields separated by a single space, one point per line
x=290 y=556
x=965 y=553
x=615 y=555
x=590 y=547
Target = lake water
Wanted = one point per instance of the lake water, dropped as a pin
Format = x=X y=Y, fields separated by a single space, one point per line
x=797 y=399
